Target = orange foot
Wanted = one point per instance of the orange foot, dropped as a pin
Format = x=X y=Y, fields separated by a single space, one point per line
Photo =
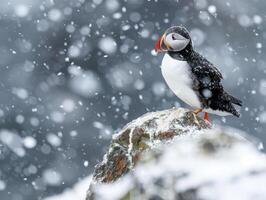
x=206 y=117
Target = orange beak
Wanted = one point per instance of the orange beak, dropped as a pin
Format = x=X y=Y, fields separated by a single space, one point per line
x=160 y=43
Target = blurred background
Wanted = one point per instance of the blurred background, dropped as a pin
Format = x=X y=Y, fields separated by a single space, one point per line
x=75 y=71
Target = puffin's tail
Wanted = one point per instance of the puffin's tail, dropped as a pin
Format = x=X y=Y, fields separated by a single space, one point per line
x=234 y=100
x=234 y=104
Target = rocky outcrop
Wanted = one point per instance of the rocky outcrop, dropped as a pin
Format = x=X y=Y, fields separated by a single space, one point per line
x=141 y=134
x=177 y=155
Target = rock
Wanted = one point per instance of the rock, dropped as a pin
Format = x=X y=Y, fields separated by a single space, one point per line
x=144 y=133
x=141 y=134
x=176 y=155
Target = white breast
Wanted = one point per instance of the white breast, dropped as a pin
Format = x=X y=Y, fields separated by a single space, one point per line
x=177 y=76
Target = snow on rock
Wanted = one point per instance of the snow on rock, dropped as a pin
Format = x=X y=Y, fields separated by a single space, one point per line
x=78 y=192
x=215 y=165
x=177 y=155
x=141 y=134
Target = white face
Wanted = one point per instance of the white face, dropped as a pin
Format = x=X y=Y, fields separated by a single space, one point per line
x=176 y=42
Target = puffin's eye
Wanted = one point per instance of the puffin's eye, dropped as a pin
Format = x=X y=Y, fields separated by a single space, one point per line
x=174 y=36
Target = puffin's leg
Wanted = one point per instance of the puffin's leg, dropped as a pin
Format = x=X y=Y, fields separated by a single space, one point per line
x=206 y=117
x=197 y=111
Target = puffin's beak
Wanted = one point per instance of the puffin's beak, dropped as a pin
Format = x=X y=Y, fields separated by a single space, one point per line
x=160 y=45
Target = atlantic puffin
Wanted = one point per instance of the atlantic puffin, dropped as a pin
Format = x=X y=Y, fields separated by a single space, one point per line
x=191 y=77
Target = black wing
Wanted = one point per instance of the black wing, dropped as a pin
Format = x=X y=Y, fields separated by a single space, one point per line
x=207 y=84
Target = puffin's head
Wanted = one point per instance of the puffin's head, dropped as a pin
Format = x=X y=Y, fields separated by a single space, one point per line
x=175 y=39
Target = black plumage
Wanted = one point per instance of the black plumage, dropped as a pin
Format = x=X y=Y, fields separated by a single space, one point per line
x=206 y=78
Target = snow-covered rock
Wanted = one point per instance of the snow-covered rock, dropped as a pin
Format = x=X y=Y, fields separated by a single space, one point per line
x=144 y=133
x=177 y=155
x=77 y=192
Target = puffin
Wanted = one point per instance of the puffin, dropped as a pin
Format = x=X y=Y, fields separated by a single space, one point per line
x=191 y=77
